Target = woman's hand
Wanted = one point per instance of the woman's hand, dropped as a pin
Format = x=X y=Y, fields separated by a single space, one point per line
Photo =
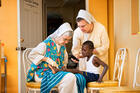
x=95 y=51
x=50 y=61
x=79 y=56
x=55 y=64
x=64 y=68
x=74 y=60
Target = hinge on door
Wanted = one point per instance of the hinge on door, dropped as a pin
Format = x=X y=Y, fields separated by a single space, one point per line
x=20 y=48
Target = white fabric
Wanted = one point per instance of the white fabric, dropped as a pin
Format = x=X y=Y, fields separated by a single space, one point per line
x=51 y=62
x=61 y=30
x=98 y=36
x=58 y=47
x=63 y=87
x=100 y=39
x=37 y=79
x=68 y=84
x=90 y=67
x=86 y=15
x=38 y=53
x=82 y=64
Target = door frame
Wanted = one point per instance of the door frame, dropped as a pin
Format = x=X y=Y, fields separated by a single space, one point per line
x=19 y=52
x=87 y=5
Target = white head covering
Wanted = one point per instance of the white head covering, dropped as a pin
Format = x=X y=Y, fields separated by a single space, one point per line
x=61 y=30
x=86 y=15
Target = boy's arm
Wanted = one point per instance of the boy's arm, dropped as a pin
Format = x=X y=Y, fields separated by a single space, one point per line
x=104 y=70
x=75 y=71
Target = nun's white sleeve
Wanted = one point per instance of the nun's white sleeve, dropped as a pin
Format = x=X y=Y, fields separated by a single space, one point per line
x=65 y=58
x=104 y=43
x=76 y=44
x=37 y=53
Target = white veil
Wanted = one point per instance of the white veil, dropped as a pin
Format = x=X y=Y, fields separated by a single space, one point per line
x=86 y=15
x=61 y=30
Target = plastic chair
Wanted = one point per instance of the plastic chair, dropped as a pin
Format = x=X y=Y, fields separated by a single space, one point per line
x=117 y=75
x=137 y=70
x=31 y=86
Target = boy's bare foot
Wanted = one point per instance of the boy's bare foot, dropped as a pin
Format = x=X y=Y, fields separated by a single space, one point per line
x=54 y=69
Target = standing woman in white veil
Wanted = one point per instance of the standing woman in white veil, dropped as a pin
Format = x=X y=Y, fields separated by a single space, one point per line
x=52 y=51
x=90 y=29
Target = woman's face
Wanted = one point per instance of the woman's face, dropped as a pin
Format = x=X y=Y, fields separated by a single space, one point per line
x=63 y=39
x=85 y=26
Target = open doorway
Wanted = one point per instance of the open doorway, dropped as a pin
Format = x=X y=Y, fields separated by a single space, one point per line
x=57 y=12
x=53 y=22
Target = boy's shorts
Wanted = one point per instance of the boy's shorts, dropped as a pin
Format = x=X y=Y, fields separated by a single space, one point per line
x=90 y=77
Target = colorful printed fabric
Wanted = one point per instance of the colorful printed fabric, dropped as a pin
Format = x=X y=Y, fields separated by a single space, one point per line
x=43 y=71
x=81 y=83
x=50 y=80
x=51 y=52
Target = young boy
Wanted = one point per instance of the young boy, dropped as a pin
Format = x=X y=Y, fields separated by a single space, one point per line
x=92 y=65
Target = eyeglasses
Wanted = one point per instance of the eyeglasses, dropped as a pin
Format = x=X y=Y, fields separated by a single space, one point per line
x=82 y=26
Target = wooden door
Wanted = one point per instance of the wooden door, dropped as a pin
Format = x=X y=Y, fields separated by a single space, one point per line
x=29 y=32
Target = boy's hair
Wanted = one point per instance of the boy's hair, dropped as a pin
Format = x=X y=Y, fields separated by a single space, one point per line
x=89 y=43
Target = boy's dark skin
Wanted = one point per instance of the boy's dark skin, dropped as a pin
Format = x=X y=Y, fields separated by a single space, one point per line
x=86 y=52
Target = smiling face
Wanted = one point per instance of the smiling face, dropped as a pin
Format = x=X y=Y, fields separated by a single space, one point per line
x=87 y=48
x=85 y=26
x=86 y=51
x=64 y=39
